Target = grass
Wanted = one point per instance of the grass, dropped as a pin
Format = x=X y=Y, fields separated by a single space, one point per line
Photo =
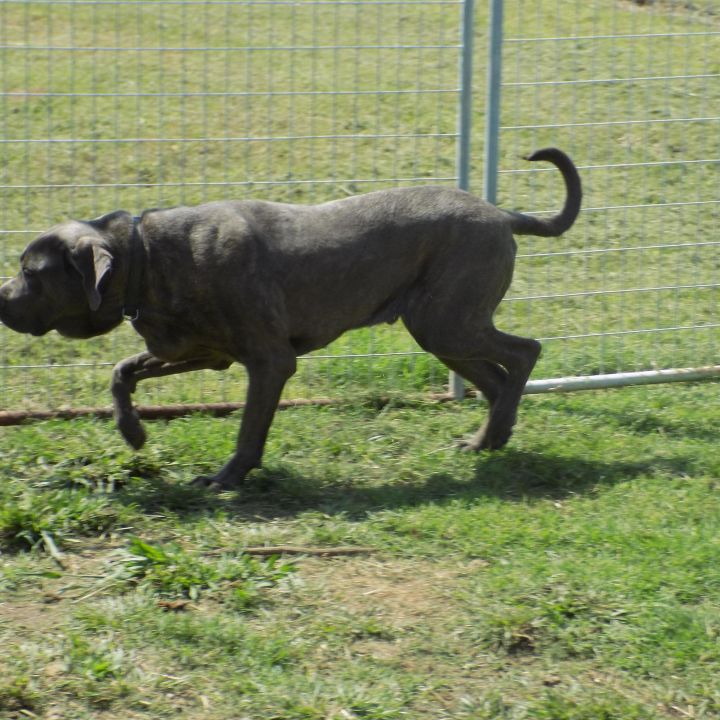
x=572 y=575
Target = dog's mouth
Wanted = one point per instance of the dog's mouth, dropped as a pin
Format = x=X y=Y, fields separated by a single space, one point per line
x=76 y=326
x=35 y=329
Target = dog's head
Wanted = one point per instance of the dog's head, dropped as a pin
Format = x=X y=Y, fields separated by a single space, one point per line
x=65 y=281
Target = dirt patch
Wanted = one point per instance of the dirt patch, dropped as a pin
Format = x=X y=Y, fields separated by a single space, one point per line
x=36 y=617
x=44 y=604
x=393 y=612
x=402 y=593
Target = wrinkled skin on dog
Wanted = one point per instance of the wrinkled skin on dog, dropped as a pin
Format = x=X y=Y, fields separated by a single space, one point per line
x=261 y=283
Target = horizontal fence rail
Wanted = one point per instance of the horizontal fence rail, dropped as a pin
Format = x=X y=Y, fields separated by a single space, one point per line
x=109 y=104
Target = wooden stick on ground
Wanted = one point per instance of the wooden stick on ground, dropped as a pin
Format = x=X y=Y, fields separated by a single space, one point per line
x=267 y=550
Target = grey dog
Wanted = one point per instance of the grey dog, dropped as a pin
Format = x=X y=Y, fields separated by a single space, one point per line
x=260 y=283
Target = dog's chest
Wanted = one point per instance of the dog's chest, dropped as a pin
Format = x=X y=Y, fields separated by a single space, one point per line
x=172 y=338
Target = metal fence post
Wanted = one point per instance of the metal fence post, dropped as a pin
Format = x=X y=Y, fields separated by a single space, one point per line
x=492 y=107
x=466 y=107
x=492 y=119
x=457 y=386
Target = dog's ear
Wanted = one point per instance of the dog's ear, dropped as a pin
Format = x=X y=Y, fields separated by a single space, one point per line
x=94 y=263
x=114 y=224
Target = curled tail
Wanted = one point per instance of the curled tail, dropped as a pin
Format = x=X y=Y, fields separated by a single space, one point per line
x=557 y=224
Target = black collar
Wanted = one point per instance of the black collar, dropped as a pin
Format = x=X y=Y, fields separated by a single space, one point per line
x=136 y=254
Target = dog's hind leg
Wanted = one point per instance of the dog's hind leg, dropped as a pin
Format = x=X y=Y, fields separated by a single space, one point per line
x=516 y=357
x=486 y=376
x=498 y=364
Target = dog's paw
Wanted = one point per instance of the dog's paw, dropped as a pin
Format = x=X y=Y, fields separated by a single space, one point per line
x=221 y=482
x=132 y=430
x=231 y=476
x=495 y=441
x=468 y=445
x=208 y=482
x=486 y=439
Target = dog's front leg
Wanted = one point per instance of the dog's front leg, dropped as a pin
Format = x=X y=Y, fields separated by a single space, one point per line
x=266 y=380
x=130 y=371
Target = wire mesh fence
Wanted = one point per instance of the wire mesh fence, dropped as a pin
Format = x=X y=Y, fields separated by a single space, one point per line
x=132 y=105
x=631 y=90
x=108 y=104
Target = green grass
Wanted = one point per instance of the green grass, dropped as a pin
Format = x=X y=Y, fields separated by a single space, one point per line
x=573 y=575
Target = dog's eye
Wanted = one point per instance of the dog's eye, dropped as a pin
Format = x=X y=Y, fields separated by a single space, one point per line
x=32 y=278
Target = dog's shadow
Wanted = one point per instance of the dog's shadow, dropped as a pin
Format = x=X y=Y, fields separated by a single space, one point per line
x=280 y=492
